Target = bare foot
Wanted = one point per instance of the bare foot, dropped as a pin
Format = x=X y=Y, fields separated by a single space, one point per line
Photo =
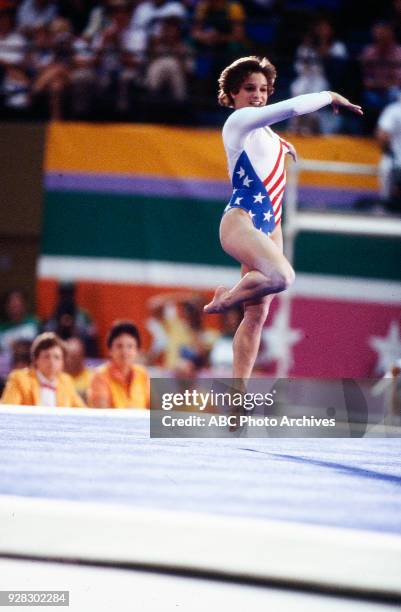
x=217 y=304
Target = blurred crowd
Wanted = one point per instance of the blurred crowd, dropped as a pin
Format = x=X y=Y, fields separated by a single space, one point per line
x=60 y=361
x=158 y=60
x=57 y=362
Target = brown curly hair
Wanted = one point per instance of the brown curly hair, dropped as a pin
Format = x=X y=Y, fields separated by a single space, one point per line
x=46 y=341
x=234 y=75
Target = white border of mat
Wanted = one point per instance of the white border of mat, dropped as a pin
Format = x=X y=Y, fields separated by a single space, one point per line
x=289 y=553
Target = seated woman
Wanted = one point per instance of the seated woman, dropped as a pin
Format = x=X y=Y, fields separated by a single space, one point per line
x=45 y=383
x=120 y=383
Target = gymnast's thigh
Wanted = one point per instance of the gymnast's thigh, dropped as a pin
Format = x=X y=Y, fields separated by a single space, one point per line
x=249 y=246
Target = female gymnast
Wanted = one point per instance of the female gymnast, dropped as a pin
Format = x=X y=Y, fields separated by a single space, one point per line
x=250 y=229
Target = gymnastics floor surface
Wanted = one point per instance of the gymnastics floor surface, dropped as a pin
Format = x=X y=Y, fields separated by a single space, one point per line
x=90 y=504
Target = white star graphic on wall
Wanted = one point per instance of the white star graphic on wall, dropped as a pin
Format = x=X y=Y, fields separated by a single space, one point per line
x=388 y=348
x=278 y=340
x=240 y=172
x=267 y=216
x=238 y=201
x=258 y=198
x=247 y=181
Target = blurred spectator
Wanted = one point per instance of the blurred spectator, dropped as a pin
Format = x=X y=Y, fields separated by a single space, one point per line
x=178 y=332
x=117 y=58
x=16 y=322
x=170 y=61
x=310 y=79
x=69 y=320
x=44 y=384
x=52 y=67
x=146 y=21
x=156 y=328
x=381 y=65
x=83 y=83
x=116 y=33
x=121 y=383
x=40 y=53
x=328 y=47
x=21 y=354
x=319 y=64
x=76 y=367
x=34 y=14
x=389 y=136
x=98 y=20
x=219 y=36
x=221 y=354
x=14 y=82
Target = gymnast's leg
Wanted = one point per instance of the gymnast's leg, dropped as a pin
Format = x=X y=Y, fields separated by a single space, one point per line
x=247 y=337
x=269 y=272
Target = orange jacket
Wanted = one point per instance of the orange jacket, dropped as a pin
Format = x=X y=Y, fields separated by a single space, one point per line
x=108 y=389
x=23 y=388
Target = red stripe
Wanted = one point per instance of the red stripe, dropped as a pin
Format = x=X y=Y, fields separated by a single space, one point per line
x=277 y=204
x=272 y=173
x=274 y=200
x=277 y=217
x=277 y=183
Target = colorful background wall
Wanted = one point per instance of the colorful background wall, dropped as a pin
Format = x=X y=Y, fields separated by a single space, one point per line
x=131 y=211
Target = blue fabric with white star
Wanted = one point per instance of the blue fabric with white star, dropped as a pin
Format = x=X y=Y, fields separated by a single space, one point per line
x=250 y=194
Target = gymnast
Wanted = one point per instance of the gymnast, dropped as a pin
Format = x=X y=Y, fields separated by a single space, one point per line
x=250 y=229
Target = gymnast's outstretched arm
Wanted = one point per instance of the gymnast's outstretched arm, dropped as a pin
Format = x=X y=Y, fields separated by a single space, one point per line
x=244 y=120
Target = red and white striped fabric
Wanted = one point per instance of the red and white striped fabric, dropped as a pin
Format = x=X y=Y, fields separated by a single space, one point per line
x=247 y=129
x=275 y=181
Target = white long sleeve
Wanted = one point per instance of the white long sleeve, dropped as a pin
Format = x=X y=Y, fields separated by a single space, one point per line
x=244 y=120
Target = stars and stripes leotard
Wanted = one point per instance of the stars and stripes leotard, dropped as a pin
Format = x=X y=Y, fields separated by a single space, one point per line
x=256 y=156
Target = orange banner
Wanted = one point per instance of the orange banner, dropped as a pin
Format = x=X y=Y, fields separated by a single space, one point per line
x=164 y=151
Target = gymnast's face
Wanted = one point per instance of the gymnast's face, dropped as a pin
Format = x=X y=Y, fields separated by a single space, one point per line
x=124 y=350
x=253 y=91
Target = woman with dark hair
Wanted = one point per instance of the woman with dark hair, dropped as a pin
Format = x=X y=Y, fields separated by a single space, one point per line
x=250 y=229
x=121 y=383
